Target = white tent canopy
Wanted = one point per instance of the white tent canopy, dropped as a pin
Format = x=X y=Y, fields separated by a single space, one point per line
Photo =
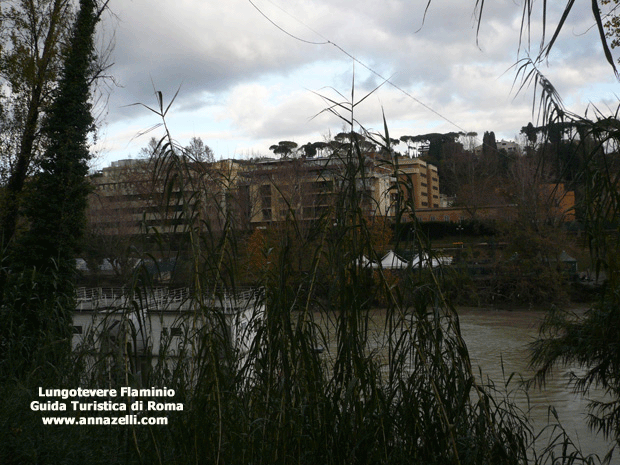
x=391 y=261
x=364 y=262
x=424 y=261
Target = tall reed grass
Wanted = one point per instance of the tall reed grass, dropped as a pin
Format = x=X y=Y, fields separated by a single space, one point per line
x=414 y=397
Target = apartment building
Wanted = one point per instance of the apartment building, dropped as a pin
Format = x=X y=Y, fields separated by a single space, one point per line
x=549 y=203
x=308 y=188
x=422 y=177
x=510 y=147
x=132 y=196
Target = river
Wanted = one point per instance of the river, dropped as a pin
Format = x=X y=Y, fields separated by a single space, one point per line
x=498 y=341
x=494 y=337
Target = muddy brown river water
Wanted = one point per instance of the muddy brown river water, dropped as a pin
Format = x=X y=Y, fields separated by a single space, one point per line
x=498 y=343
x=494 y=337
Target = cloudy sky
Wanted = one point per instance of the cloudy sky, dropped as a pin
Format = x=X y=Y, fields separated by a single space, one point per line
x=252 y=73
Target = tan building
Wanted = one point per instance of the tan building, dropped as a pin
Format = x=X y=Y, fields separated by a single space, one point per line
x=131 y=196
x=552 y=204
x=419 y=177
x=458 y=214
x=307 y=188
x=128 y=197
x=559 y=202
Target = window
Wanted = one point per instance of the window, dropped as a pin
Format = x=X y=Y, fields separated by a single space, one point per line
x=265 y=193
x=172 y=332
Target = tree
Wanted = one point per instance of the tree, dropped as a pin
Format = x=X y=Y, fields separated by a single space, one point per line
x=433 y=143
x=33 y=38
x=530 y=132
x=284 y=148
x=312 y=149
x=30 y=55
x=151 y=150
x=197 y=150
x=309 y=150
x=409 y=140
x=529 y=269
x=56 y=206
x=489 y=145
x=612 y=24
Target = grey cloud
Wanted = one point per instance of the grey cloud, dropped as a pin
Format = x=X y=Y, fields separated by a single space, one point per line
x=210 y=48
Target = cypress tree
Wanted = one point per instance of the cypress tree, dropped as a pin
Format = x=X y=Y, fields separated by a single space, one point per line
x=43 y=260
x=59 y=199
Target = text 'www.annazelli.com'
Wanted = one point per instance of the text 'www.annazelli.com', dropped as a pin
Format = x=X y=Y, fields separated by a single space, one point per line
x=111 y=421
x=133 y=406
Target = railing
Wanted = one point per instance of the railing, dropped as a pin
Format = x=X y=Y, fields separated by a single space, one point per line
x=160 y=298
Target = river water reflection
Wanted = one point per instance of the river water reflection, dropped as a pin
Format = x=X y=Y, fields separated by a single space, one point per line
x=500 y=338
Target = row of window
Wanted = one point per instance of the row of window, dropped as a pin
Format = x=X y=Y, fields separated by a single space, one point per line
x=446 y=218
x=165 y=332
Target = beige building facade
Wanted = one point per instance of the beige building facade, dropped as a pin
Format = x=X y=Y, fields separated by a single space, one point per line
x=308 y=188
x=132 y=196
x=418 y=179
